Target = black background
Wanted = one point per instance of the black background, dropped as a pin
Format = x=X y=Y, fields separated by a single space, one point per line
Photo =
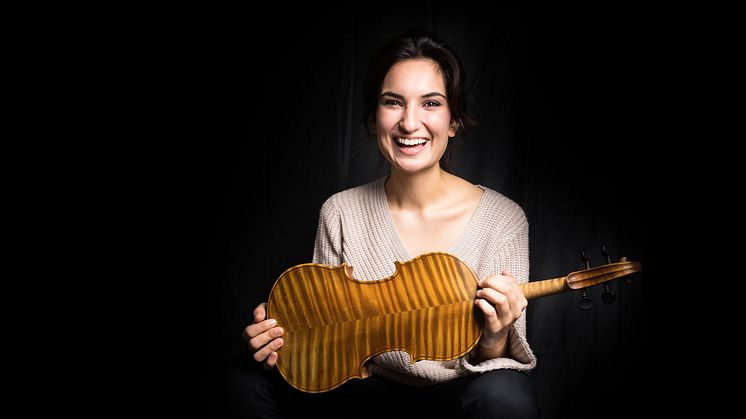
x=565 y=101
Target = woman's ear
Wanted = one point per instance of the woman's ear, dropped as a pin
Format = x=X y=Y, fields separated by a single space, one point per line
x=453 y=128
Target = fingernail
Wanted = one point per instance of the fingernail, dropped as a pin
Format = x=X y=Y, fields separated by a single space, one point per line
x=272 y=323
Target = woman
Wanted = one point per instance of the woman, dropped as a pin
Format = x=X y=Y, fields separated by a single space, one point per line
x=416 y=106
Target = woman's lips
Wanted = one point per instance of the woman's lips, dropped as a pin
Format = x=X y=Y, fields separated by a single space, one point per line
x=410 y=146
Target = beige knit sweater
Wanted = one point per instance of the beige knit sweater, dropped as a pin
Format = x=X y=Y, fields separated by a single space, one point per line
x=356 y=227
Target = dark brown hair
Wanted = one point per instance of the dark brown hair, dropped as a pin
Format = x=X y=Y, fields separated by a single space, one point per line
x=415 y=44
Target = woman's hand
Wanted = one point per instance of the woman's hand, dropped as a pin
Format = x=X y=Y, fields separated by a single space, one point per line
x=502 y=303
x=263 y=337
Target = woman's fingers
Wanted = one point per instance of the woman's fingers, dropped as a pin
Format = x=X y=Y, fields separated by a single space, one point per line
x=262 y=354
x=260 y=323
x=491 y=321
x=493 y=296
x=507 y=273
x=260 y=313
x=502 y=283
x=271 y=361
x=500 y=300
x=261 y=340
x=500 y=293
x=496 y=309
x=263 y=337
x=253 y=330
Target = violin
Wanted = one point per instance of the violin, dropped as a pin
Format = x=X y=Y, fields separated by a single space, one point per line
x=335 y=323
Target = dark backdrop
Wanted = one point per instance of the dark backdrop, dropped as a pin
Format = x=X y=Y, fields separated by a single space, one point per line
x=561 y=97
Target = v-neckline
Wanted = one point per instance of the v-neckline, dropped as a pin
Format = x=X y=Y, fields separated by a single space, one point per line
x=402 y=251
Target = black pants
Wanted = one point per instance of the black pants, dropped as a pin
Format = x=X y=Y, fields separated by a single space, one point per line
x=496 y=394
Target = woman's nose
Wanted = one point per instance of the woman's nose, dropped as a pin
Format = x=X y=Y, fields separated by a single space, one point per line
x=410 y=121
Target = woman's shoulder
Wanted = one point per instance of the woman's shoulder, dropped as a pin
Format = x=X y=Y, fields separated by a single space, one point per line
x=500 y=211
x=358 y=195
x=495 y=199
x=489 y=198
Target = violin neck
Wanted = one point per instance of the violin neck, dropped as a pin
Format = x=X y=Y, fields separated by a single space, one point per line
x=580 y=279
x=544 y=287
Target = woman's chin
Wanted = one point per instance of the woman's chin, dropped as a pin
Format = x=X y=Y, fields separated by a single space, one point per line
x=411 y=167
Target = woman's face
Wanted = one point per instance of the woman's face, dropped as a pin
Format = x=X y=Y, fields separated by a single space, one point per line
x=413 y=121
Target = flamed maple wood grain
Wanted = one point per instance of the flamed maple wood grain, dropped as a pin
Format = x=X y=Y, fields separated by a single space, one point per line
x=334 y=323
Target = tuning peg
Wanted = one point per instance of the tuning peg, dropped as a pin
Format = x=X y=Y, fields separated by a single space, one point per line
x=608 y=296
x=585 y=303
x=605 y=253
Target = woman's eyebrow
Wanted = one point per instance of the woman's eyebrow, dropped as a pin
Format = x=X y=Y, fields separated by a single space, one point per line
x=400 y=97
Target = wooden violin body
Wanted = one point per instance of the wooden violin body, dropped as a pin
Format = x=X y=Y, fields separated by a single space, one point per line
x=334 y=323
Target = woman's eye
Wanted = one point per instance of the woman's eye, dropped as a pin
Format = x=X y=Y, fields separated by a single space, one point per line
x=391 y=102
x=432 y=103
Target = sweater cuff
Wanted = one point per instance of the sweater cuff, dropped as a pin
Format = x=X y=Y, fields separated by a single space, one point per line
x=521 y=357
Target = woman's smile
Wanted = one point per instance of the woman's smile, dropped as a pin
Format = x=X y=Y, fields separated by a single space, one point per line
x=410 y=146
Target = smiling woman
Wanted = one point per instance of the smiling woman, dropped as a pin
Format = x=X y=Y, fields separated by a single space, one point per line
x=413 y=120
x=439 y=87
x=415 y=102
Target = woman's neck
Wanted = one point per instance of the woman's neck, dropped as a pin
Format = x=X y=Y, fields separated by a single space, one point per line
x=417 y=191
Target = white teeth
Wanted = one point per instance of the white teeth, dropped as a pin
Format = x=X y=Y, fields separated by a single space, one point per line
x=410 y=141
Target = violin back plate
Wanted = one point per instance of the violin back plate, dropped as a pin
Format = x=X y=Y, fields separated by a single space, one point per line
x=334 y=323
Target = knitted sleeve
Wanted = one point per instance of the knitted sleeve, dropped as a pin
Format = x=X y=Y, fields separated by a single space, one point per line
x=512 y=255
x=327 y=249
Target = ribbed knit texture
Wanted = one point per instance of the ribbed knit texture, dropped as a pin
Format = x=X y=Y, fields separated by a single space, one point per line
x=356 y=227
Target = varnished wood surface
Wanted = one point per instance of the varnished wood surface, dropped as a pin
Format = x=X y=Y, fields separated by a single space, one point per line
x=334 y=323
x=579 y=279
